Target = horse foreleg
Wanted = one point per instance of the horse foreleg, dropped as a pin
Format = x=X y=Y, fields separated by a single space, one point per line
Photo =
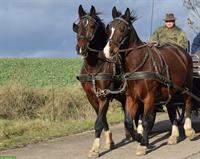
x=127 y=133
x=138 y=119
x=109 y=143
x=101 y=122
x=175 y=131
x=147 y=121
x=130 y=112
x=122 y=100
x=189 y=131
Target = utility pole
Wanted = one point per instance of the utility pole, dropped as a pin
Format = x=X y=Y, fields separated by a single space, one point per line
x=152 y=17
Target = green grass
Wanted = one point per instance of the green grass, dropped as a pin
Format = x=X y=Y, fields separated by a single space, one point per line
x=31 y=110
x=17 y=133
x=40 y=72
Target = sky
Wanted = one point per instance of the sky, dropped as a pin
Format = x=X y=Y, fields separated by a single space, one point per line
x=43 y=28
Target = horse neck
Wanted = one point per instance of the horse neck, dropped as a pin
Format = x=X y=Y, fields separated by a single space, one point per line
x=98 y=43
x=134 y=38
x=92 y=60
x=100 y=38
x=133 y=58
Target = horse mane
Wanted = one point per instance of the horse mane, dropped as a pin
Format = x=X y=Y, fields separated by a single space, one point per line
x=99 y=20
x=133 y=17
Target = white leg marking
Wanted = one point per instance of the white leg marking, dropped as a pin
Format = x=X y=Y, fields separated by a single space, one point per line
x=189 y=131
x=109 y=143
x=94 y=151
x=175 y=131
x=140 y=128
x=188 y=124
x=173 y=139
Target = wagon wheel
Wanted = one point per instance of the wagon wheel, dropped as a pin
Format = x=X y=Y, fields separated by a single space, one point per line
x=180 y=112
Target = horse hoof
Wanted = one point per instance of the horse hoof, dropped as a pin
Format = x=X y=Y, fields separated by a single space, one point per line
x=190 y=133
x=109 y=146
x=128 y=137
x=141 y=150
x=92 y=154
x=172 y=140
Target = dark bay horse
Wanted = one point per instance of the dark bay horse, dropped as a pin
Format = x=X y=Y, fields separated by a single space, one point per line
x=151 y=74
x=97 y=74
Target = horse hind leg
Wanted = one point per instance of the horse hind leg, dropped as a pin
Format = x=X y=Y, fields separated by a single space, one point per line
x=189 y=131
x=173 y=139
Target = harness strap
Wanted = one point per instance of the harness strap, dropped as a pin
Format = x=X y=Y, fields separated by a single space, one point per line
x=187 y=91
x=147 y=74
x=160 y=78
x=93 y=50
x=165 y=70
x=100 y=76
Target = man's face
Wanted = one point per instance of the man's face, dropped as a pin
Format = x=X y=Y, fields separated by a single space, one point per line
x=169 y=24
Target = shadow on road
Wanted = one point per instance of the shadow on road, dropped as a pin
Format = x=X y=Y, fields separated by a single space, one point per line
x=164 y=126
x=122 y=143
x=161 y=131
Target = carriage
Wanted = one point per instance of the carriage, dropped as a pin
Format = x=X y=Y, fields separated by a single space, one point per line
x=196 y=80
x=138 y=82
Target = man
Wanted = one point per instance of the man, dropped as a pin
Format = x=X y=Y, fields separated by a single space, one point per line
x=196 y=44
x=169 y=33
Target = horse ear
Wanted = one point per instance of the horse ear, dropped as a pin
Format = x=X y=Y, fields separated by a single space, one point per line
x=114 y=12
x=92 y=11
x=75 y=28
x=127 y=14
x=81 y=11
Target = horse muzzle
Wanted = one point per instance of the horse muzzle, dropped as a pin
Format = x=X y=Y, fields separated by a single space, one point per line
x=82 y=50
x=110 y=50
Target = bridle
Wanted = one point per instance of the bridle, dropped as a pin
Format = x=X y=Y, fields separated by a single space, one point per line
x=95 y=29
x=124 y=39
x=119 y=44
x=88 y=39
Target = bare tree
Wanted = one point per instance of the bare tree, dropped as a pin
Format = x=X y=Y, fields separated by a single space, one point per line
x=194 y=18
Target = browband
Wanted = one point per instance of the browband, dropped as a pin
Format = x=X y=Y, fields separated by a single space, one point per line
x=119 y=18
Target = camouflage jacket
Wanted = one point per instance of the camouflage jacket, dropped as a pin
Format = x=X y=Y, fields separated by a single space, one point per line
x=165 y=35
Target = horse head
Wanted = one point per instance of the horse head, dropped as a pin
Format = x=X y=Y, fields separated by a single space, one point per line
x=119 y=32
x=90 y=30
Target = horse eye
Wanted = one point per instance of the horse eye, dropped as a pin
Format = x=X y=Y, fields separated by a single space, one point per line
x=93 y=26
x=122 y=30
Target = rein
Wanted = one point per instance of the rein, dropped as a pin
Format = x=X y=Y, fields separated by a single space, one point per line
x=93 y=50
x=133 y=48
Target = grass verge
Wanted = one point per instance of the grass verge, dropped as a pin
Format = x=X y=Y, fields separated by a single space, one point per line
x=18 y=133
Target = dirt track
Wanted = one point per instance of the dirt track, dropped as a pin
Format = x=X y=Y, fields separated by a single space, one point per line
x=76 y=146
